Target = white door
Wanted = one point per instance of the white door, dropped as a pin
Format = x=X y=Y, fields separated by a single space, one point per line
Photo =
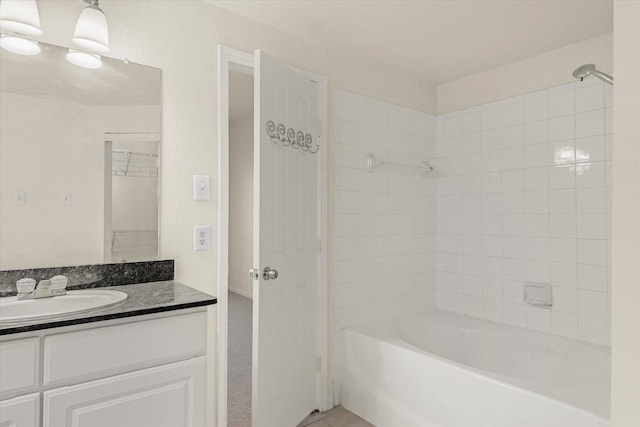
x=285 y=239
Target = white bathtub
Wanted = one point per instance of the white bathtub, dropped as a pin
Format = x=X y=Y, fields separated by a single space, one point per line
x=444 y=369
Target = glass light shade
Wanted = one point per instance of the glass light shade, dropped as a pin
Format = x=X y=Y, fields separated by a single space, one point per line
x=92 y=32
x=20 y=16
x=83 y=59
x=19 y=45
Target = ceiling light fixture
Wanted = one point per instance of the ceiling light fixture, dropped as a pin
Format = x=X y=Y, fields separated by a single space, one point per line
x=19 y=45
x=92 y=31
x=84 y=59
x=20 y=16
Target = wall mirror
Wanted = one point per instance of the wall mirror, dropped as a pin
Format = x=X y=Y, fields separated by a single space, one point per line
x=79 y=158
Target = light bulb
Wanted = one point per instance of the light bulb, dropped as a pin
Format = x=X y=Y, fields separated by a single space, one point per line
x=83 y=59
x=19 y=45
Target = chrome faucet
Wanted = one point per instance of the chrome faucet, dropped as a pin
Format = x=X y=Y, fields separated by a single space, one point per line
x=53 y=287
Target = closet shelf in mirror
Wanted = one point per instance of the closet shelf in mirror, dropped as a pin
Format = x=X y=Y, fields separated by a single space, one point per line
x=134 y=164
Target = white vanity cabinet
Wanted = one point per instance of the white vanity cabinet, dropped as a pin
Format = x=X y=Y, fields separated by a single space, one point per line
x=138 y=372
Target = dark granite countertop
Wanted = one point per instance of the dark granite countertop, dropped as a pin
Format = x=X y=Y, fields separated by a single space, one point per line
x=142 y=298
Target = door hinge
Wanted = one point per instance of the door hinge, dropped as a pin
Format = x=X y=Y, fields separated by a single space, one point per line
x=318 y=364
x=319 y=128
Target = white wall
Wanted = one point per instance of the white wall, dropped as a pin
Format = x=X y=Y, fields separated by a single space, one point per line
x=47 y=147
x=241 y=205
x=625 y=406
x=383 y=237
x=538 y=72
x=524 y=196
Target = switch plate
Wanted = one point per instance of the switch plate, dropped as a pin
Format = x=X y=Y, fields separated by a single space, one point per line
x=201 y=238
x=201 y=187
x=18 y=197
x=65 y=199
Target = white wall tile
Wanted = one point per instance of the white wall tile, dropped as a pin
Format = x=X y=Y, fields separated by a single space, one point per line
x=592 y=251
x=536 y=107
x=592 y=303
x=384 y=224
x=491 y=139
x=590 y=123
x=536 y=155
x=592 y=200
x=565 y=300
x=563 y=274
x=592 y=148
x=589 y=98
x=513 y=136
x=591 y=226
x=591 y=175
x=561 y=103
x=536 y=132
x=537 y=225
x=592 y=277
x=562 y=176
x=512 y=113
x=536 y=178
x=562 y=128
x=562 y=201
x=524 y=194
x=491 y=118
x=562 y=249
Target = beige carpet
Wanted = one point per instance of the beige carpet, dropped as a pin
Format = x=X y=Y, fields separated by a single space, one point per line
x=239 y=361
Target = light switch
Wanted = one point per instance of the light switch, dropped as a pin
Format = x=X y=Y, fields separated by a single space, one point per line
x=201 y=187
x=65 y=199
x=201 y=238
x=18 y=198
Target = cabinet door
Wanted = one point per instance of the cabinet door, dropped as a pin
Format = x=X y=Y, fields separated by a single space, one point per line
x=19 y=367
x=23 y=411
x=166 y=396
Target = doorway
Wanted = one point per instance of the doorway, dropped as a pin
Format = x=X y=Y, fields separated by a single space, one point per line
x=229 y=61
x=240 y=248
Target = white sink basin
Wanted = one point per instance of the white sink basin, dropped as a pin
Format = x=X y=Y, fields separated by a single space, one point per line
x=13 y=310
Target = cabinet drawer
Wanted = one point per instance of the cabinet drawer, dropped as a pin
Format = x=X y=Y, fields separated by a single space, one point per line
x=19 y=366
x=165 y=396
x=96 y=353
x=23 y=411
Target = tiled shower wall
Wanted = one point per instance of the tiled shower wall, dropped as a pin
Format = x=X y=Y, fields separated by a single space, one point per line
x=384 y=224
x=524 y=195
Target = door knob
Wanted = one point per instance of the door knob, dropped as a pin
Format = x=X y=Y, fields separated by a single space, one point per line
x=269 y=273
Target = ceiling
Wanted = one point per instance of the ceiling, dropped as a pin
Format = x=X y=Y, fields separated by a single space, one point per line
x=442 y=40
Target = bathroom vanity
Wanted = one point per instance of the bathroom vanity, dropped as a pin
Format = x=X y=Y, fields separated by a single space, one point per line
x=140 y=363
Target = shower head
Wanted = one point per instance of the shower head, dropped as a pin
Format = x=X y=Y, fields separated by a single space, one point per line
x=590 y=70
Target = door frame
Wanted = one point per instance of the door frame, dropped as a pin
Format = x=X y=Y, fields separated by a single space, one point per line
x=233 y=59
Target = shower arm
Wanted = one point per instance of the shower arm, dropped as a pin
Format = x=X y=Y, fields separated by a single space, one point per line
x=603 y=76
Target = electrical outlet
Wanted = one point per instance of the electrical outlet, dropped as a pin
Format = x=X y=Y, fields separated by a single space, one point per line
x=201 y=187
x=201 y=238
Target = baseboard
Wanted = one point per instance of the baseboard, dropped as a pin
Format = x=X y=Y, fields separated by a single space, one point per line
x=241 y=292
